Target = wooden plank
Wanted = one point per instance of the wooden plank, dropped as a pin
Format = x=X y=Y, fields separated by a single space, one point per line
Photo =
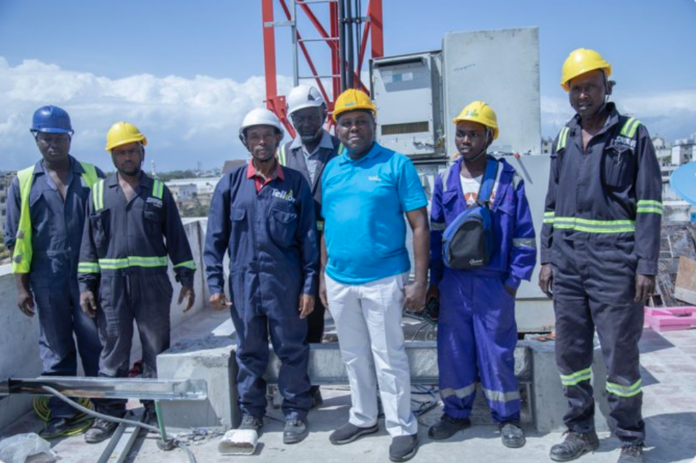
x=685 y=286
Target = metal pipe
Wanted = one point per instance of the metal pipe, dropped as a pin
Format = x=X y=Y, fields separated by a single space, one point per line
x=295 y=57
x=342 y=43
x=350 y=46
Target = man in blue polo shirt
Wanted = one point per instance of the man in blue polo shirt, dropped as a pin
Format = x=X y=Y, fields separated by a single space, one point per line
x=366 y=193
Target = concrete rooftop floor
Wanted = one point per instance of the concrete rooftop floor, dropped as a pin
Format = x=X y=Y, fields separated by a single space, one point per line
x=669 y=382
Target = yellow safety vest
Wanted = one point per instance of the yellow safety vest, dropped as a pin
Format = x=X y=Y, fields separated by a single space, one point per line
x=23 y=250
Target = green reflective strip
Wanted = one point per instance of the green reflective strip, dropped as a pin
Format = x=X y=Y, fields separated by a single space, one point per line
x=562 y=139
x=594 y=226
x=98 y=195
x=627 y=126
x=132 y=261
x=188 y=264
x=649 y=210
x=630 y=127
x=649 y=206
x=87 y=267
x=460 y=393
x=548 y=217
x=281 y=155
x=437 y=226
x=577 y=377
x=89 y=175
x=499 y=396
x=625 y=391
x=158 y=189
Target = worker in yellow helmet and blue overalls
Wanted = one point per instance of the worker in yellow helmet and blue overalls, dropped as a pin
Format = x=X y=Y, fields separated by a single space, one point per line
x=45 y=217
x=123 y=264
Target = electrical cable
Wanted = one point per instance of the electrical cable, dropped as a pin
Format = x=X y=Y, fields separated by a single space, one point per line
x=114 y=419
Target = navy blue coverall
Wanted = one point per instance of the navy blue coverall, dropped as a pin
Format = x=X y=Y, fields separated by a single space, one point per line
x=270 y=238
x=57 y=226
x=124 y=260
x=601 y=229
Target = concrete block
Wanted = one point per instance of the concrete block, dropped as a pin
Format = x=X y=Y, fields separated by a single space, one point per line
x=211 y=359
x=548 y=402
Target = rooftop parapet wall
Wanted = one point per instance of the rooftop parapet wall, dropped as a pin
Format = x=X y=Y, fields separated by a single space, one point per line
x=19 y=335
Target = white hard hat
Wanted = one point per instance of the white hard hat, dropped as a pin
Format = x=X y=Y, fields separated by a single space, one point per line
x=304 y=96
x=260 y=116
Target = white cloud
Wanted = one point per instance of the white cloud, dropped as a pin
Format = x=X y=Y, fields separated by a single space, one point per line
x=192 y=120
x=185 y=120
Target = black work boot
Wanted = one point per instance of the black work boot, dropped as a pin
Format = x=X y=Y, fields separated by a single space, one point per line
x=575 y=445
x=254 y=423
x=447 y=427
x=511 y=435
x=100 y=431
x=295 y=431
x=631 y=453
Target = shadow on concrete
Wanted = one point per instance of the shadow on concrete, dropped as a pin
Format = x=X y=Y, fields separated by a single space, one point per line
x=670 y=437
x=652 y=341
x=647 y=378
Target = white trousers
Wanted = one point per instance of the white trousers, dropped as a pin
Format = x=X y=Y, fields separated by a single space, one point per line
x=368 y=324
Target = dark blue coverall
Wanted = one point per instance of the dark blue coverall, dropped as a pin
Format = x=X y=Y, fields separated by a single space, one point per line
x=294 y=158
x=124 y=260
x=601 y=229
x=271 y=242
x=57 y=226
x=477 y=331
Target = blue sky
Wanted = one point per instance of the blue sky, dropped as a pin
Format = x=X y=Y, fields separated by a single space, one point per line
x=187 y=72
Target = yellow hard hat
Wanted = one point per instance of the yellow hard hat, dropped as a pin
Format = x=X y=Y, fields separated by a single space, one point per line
x=122 y=133
x=352 y=99
x=581 y=61
x=479 y=111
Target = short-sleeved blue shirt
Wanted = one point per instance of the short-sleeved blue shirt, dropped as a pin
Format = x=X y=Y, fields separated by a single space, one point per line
x=363 y=204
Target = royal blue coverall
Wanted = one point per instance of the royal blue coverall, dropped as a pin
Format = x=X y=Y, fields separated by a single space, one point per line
x=269 y=236
x=601 y=228
x=57 y=226
x=124 y=260
x=477 y=332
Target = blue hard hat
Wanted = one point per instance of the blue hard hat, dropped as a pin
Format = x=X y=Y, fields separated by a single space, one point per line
x=51 y=119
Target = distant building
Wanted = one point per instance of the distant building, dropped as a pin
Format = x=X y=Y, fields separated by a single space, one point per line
x=682 y=151
x=663 y=151
x=5 y=181
x=192 y=192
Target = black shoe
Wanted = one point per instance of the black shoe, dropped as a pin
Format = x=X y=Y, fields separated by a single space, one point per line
x=631 y=453
x=349 y=432
x=403 y=448
x=100 y=431
x=511 y=434
x=251 y=422
x=447 y=427
x=56 y=427
x=295 y=431
x=574 y=446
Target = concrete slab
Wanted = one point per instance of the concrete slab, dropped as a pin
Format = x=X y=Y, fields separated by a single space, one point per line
x=669 y=411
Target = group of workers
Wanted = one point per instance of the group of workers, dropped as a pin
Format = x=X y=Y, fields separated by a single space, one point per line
x=320 y=223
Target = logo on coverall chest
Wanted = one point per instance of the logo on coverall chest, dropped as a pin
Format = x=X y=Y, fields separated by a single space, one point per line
x=282 y=194
x=621 y=141
x=154 y=201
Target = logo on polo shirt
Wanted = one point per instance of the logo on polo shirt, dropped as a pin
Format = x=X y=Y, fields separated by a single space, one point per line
x=282 y=194
x=374 y=178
